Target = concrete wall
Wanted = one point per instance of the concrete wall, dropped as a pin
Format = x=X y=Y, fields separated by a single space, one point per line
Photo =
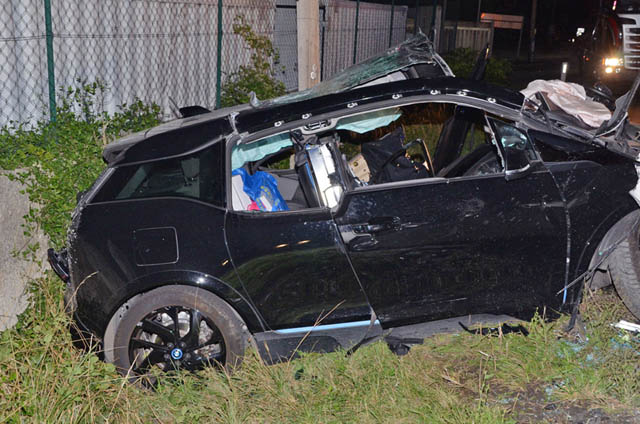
x=16 y=273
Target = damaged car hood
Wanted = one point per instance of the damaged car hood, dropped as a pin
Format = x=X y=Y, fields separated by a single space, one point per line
x=621 y=133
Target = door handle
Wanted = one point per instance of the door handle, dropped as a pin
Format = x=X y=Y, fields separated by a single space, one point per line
x=379 y=224
x=362 y=243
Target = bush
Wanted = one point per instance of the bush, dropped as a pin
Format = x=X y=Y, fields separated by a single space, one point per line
x=461 y=61
x=258 y=76
x=58 y=160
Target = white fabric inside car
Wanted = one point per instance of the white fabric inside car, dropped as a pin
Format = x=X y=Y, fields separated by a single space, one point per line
x=572 y=99
x=239 y=198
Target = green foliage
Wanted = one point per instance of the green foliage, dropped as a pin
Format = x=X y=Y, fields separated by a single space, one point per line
x=459 y=378
x=258 y=76
x=57 y=160
x=461 y=61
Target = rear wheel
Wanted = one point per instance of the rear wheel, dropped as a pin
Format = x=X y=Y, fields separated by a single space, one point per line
x=624 y=266
x=174 y=328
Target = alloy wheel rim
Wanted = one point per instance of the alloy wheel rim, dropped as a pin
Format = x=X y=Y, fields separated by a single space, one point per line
x=173 y=338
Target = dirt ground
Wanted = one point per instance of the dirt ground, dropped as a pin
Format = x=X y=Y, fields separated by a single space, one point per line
x=534 y=406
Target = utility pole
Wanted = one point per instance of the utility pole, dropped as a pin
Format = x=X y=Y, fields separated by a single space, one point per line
x=532 y=30
x=551 y=28
x=308 y=23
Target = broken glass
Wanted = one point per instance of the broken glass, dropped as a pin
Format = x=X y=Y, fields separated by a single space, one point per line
x=418 y=50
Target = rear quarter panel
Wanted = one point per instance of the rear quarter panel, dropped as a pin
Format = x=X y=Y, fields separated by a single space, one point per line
x=105 y=271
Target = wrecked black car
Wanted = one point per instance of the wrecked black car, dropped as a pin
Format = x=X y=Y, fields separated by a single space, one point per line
x=392 y=195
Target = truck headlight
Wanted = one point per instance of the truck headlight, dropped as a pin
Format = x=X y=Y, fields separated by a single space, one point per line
x=613 y=61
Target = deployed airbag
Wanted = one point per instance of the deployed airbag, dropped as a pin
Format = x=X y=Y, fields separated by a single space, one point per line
x=256 y=150
x=369 y=121
x=572 y=99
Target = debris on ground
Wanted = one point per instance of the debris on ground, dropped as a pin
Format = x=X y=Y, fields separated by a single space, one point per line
x=629 y=326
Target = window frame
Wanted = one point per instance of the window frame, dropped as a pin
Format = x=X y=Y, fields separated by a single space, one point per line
x=112 y=172
x=487 y=105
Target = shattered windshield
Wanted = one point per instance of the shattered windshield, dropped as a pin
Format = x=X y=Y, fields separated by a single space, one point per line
x=415 y=51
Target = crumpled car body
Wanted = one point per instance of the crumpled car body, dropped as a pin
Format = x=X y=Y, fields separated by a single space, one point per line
x=492 y=204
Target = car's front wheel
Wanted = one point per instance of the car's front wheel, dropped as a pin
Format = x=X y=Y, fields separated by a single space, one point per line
x=172 y=328
x=624 y=266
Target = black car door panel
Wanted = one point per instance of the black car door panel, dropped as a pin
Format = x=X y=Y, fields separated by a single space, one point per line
x=438 y=248
x=295 y=268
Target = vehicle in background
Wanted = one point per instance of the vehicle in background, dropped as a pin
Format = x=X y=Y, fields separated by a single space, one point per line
x=609 y=48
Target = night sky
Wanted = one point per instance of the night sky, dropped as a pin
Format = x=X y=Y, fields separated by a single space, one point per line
x=568 y=14
x=557 y=20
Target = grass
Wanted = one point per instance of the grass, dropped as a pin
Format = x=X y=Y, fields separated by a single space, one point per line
x=449 y=379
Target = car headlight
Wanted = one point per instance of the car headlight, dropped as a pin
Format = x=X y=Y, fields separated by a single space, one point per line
x=613 y=61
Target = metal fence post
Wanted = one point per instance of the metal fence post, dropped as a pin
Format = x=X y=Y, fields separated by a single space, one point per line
x=219 y=58
x=433 y=18
x=355 y=38
x=323 y=26
x=50 y=64
x=393 y=4
x=415 y=21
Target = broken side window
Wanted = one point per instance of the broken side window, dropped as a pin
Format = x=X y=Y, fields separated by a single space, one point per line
x=198 y=176
x=417 y=141
x=518 y=149
x=274 y=174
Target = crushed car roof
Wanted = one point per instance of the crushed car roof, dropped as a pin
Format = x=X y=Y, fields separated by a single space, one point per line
x=418 y=50
x=415 y=51
x=183 y=136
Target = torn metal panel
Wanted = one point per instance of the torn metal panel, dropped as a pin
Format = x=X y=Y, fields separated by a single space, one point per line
x=416 y=51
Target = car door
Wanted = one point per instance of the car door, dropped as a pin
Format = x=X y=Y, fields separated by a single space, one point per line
x=294 y=268
x=443 y=247
x=292 y=262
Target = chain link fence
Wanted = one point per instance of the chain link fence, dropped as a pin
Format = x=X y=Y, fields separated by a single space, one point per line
x=23 y=60
x=166 y=51
x=350 y=31
x=157 y=51
x=355 y=31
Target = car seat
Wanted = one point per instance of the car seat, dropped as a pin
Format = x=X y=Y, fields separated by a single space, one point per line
x=459 y=166
x=387 y=161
